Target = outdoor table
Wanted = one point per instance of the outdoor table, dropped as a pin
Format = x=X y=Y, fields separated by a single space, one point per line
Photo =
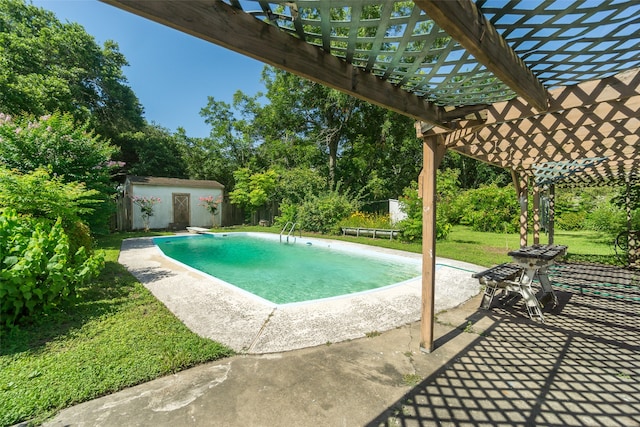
x=535 y=261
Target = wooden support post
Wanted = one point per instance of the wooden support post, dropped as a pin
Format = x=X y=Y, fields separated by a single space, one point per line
x=433 y=150
x=521 y=182
x=632 y=241
x=536 y=215
x=552 y=211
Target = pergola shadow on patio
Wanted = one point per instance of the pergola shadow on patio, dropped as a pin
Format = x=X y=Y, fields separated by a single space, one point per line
x=578 y=368
x=548 y=89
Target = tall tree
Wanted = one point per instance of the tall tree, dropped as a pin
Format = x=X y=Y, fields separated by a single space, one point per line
x=324 y=116
x=206 y=158
x=48 y=66
x=153 y=151
x=371 y=150
x=474 y=173
x=231 y=133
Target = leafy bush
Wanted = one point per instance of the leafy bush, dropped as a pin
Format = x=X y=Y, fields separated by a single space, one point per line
x=411 y=227
x=67 y=150
x=288 y=213
x=607 y=218
x=489 y=208
x=448 y=189
x=39 y=195
x=571 y=221
x=297 y=184
x=253 y=190
x=322 y=213
x=37 y=271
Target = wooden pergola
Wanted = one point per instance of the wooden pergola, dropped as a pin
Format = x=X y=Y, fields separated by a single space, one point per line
x=546 y=88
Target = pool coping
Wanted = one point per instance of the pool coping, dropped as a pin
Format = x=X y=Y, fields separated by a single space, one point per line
x=410 y=258
x=214 y=310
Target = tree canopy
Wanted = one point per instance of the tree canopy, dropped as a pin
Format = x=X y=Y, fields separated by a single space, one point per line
x=48 y=66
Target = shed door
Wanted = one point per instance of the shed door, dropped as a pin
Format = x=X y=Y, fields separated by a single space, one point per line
x=181 y=209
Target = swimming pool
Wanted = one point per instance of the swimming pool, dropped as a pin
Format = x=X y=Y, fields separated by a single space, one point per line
x=280 y=273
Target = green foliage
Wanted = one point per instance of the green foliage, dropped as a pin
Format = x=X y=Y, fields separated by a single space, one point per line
x=294 y=187
x=296 y=184
x=52 y=66
x=411 y=227
x=206 y=158
x=68 y=151
x=620 y=198
x=489 y=208
x=253 y=190
x=37 y=269
x=322 y=213
x=230 y=145
x=473 y=173
x=366 y=220
x=571 y=221
x=448 y=190
x=600 y=208
x=39 y=195
x=116 y=335
x=368 y=149
x=57 y=142
x=607 y=218
x=152 y=151
x=288 y=213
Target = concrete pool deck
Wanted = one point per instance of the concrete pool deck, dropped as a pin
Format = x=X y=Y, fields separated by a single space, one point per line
x=213 y=310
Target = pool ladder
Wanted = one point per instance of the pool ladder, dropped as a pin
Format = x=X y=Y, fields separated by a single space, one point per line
x=291 y=226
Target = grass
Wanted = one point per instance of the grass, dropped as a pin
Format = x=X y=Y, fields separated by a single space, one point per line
x=118 y=335
x=115 y=336
x=487 y=249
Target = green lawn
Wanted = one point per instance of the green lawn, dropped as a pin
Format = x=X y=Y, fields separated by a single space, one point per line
x=119 y=335
x=116 y=336
x=487 y=249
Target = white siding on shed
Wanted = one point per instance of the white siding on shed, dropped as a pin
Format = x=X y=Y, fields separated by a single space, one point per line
x=163 y=214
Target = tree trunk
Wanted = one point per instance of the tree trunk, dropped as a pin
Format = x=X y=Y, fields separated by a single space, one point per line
x=333 y=157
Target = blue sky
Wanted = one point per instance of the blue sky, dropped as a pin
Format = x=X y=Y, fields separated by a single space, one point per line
x=171 y=73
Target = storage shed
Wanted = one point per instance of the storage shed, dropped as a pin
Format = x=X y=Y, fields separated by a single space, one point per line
x=181 y=203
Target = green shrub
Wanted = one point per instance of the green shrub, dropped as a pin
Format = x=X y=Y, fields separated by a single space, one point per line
x=40 y=195
x=322 y=213
x=37 y=271
x=253 y=190
x=411 y=227
x=489 y=208
x=571 y=221
x=66 y=149
x=288 y=213
x=607 y=218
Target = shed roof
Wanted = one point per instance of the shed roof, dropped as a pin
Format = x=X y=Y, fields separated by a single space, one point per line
x=512 y=82
x=173 y=182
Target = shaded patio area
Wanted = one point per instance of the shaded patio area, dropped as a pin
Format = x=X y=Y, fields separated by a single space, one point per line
x=581 y=367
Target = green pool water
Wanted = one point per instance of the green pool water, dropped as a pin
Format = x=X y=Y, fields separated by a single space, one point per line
x=287 y=273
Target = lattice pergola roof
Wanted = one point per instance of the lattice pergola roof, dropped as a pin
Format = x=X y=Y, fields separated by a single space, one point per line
x=512 y=82
x=562 y=42
x=549 y=173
